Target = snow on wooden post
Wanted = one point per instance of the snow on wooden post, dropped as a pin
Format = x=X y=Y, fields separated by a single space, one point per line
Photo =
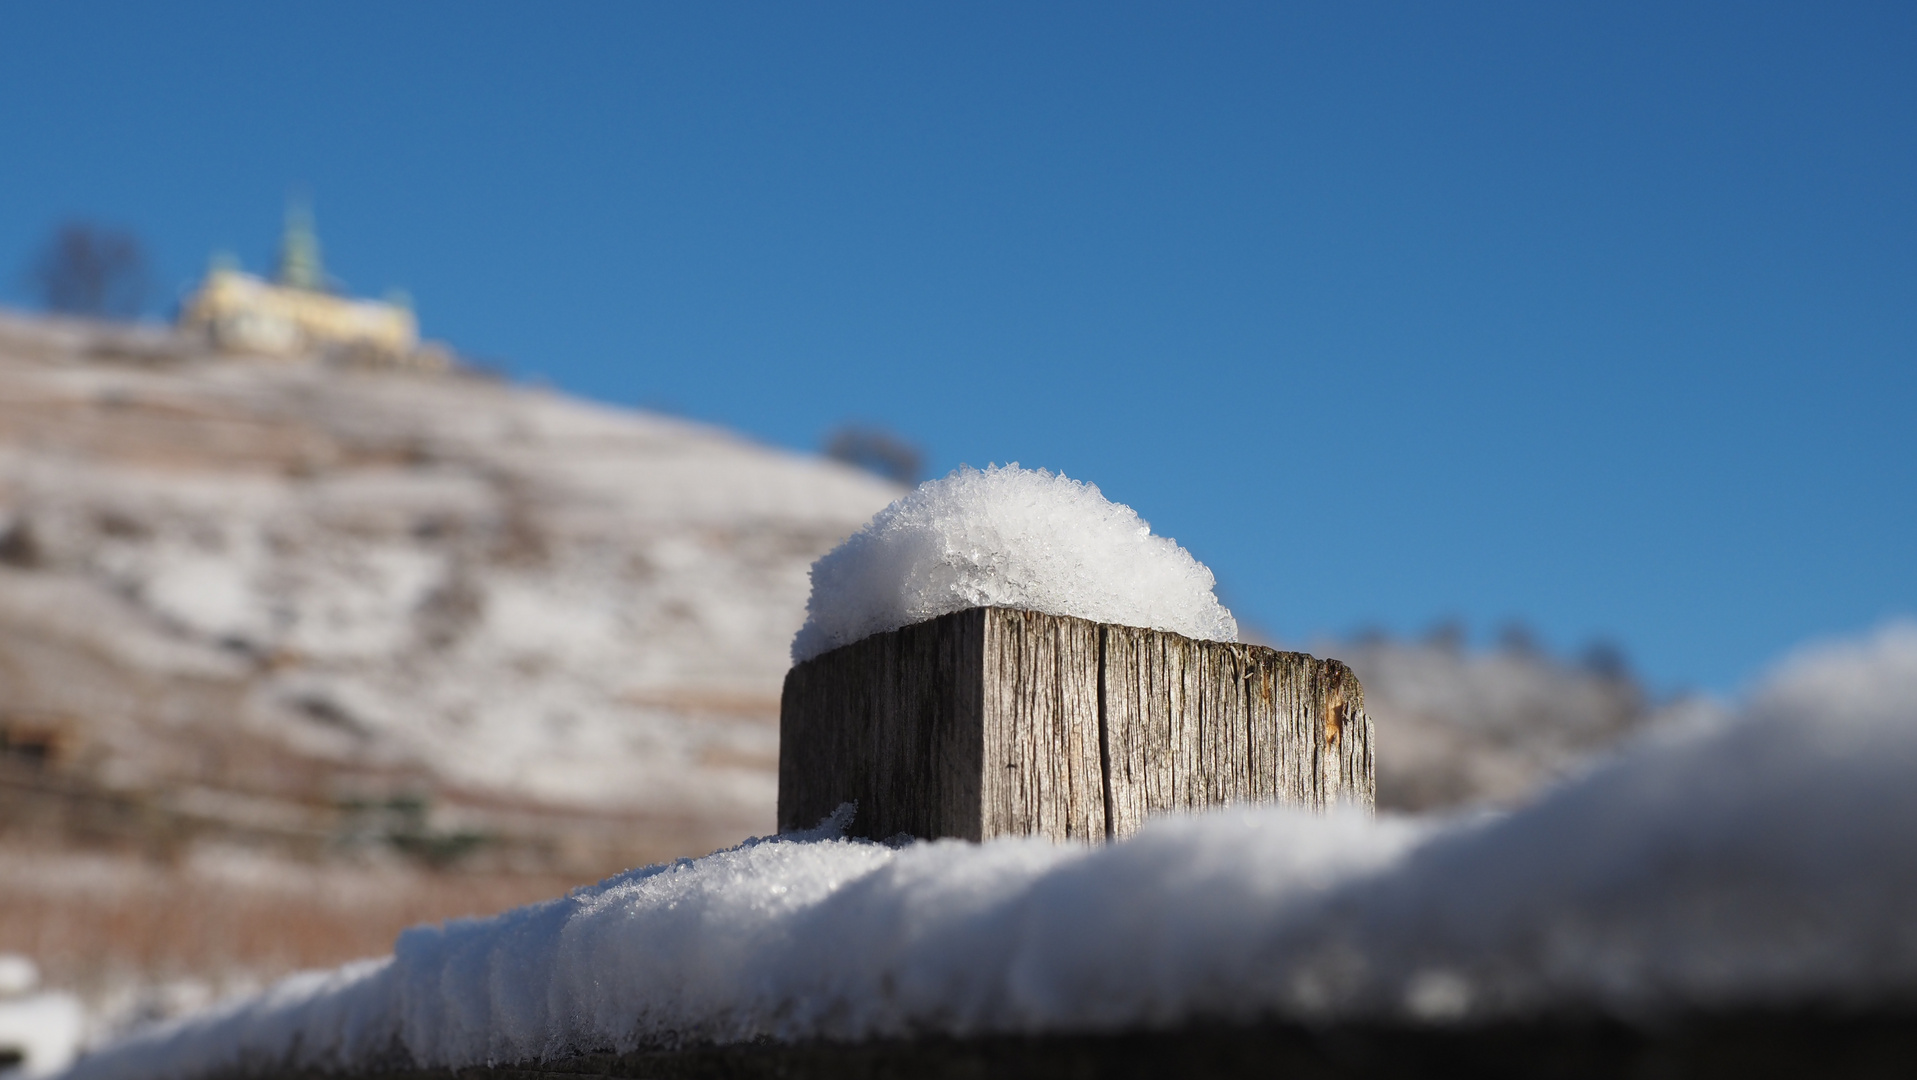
x=995 y=721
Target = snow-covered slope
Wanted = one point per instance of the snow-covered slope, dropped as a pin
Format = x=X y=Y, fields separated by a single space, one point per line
x=260 y=591
x=1456 y=727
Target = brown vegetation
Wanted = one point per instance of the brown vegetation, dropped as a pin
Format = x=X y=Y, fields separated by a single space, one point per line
x=104 y=924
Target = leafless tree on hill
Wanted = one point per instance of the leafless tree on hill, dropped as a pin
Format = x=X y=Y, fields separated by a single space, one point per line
x=91 y=270
x=877 y=451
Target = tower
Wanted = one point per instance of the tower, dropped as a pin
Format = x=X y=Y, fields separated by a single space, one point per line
x=300 y=266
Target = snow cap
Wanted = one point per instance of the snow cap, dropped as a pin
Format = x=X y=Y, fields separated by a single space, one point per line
x=1007 y=537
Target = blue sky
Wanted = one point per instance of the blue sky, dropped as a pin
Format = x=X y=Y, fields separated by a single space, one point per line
x=1599 y=319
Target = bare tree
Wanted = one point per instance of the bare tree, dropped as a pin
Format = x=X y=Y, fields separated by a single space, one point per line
x=875 y=450
x=94 y=270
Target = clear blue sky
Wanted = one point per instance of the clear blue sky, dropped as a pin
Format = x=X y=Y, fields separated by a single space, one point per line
x=1602 y=319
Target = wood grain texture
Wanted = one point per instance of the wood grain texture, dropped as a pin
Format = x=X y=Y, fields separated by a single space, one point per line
x=1192 y=724
x=893 y=723
x=993 y=722
x=1043 y=772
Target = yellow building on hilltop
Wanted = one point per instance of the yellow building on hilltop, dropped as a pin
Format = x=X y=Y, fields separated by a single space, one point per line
x=296 y=315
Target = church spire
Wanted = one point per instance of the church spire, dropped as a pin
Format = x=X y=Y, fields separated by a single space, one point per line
x=300 y=266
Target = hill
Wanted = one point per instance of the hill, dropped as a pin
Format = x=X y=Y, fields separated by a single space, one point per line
x=301 y=601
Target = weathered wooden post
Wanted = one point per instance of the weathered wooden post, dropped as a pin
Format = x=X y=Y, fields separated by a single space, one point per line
x=995 y=721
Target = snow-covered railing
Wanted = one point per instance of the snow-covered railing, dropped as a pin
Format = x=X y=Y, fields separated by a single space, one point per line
x=1727 y=898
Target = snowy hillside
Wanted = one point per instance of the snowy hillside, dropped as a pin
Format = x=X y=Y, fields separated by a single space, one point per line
x=1457 y=727
x=260 y=595
x=315 y=602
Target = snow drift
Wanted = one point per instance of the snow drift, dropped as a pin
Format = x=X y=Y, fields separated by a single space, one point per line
x=1768 y=858
x=1007 y=537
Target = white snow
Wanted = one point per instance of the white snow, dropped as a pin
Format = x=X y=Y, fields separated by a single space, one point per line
x=18 y=975
x=43 y=1030
x=1765 y=858
x=1007 y=537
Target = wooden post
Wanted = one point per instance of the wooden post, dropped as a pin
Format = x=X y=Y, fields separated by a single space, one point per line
x=994 y=722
